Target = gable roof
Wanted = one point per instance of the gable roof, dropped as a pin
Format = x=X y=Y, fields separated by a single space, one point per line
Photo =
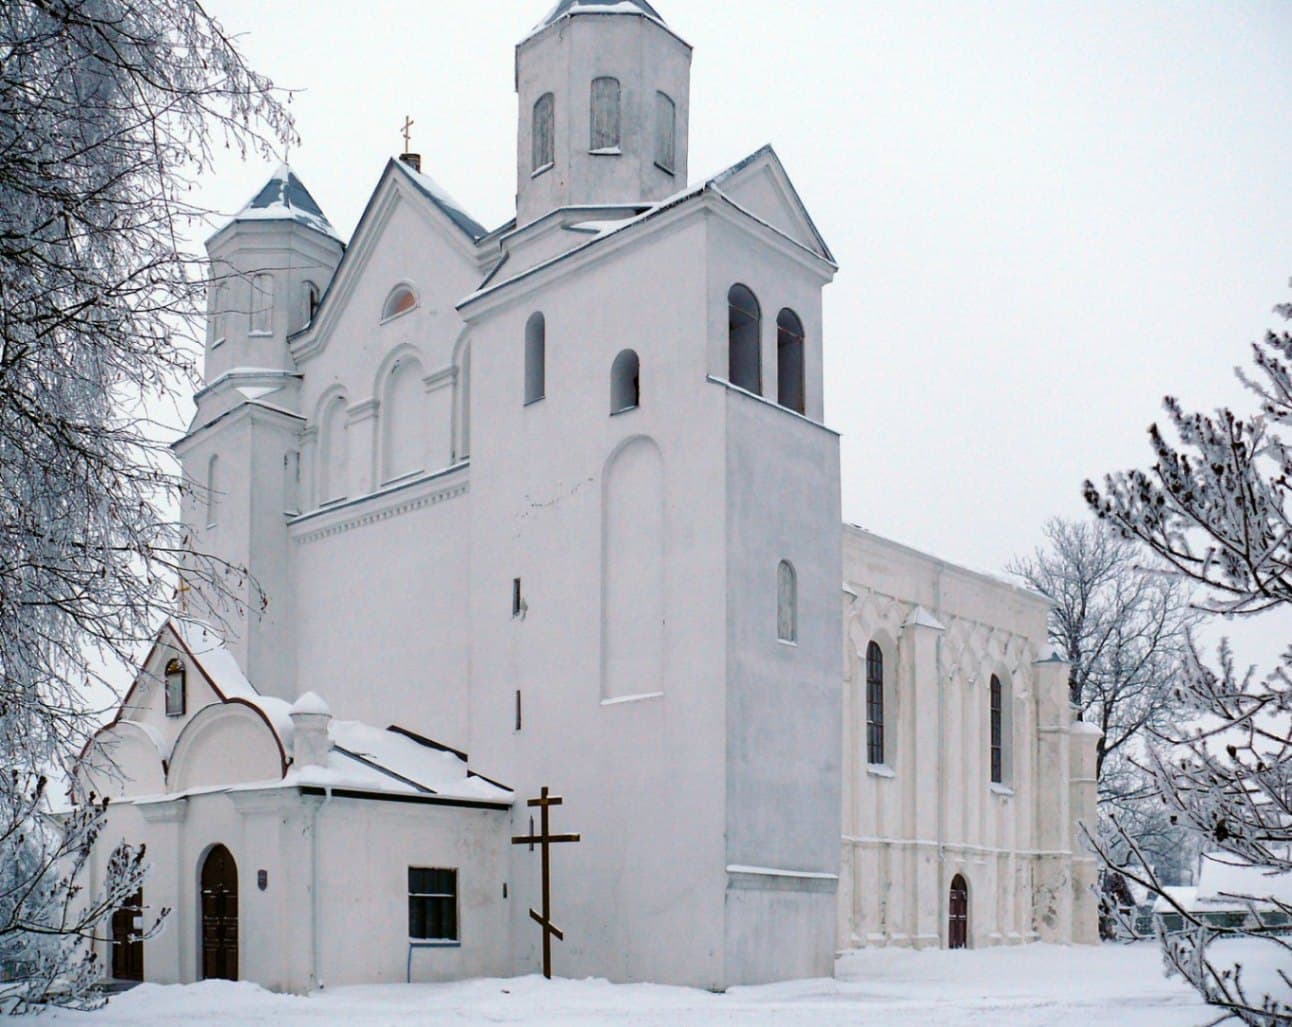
x=284 y=198
x=447 y=205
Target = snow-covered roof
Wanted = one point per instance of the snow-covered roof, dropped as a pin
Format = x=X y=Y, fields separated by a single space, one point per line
x=570 y=7
x=1223 y=876
x=285 y=198
x=438 y=195
x=365 y=758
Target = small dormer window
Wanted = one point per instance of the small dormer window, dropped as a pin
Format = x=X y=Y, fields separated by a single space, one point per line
x=605 y=115
x=401 y=301
x=176 y=683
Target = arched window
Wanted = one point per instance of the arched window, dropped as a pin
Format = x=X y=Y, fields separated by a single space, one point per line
x=544 y=141
x=605 y=115
x=309 y=303
x=997 y=731
x=789 y=361
x=625 y=382
x=176 y=680
x=665 y=132
x=874 y=704
x=958 y=914
x=262 y=304
x=213 y=492
x=218 y=319
x=787 y=603
x=744 y=327
x=401 y=300
x=535 y=358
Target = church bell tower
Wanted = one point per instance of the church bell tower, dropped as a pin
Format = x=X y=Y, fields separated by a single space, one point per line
x=604 y=96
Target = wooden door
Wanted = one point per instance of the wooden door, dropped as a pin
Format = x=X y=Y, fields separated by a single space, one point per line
x=958 y=926
x=220 y=915
x=127 y=945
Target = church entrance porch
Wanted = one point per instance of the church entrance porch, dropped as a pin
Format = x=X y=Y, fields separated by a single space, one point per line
x=219 y=912
x=958 y=925
x=127 y=945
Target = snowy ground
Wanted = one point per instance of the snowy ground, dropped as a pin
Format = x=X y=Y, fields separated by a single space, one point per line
x=1035 y=986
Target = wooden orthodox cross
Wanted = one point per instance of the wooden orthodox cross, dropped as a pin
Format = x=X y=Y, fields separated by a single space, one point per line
x=408 y=124
x=545 y=839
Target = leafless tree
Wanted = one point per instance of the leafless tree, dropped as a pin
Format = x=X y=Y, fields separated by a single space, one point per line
x=1214 y=509
x=109 y=109
x=1122 y=625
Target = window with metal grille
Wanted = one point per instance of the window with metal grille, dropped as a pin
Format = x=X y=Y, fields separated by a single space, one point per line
x=605 y=115
x=997 y=732
x=432 y=904
x=874 y=704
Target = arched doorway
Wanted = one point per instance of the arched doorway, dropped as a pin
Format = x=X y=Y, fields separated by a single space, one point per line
x=219 y=915
x=127 y=940
x=958 y=922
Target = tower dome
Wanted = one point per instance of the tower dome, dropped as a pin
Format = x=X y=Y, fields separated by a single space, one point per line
x=566 y=7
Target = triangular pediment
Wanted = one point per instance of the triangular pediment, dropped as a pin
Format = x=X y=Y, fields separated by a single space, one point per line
x=760 y=186
x=426 y=220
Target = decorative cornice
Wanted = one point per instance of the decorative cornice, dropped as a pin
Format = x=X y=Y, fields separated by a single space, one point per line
x=363 y=411
x=385 y=511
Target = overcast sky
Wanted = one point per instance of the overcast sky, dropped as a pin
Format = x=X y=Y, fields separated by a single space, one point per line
x=1046 y=215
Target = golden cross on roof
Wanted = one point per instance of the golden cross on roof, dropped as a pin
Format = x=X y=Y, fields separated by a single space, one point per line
x=408 y=124
x=181 y=593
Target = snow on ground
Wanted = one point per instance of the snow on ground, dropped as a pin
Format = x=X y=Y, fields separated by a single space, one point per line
x=1033 y=986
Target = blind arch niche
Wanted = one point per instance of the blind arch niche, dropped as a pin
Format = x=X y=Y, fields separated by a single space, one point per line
x=632 y=571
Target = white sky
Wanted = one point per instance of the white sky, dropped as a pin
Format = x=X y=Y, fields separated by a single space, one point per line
x=1046 y=215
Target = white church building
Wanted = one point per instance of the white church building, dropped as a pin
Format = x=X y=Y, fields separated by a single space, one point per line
x=556 y=505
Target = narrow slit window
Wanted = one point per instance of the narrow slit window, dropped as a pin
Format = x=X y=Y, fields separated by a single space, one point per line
x=309 y=303
x=665 y=132
x=787 y=603
x=176 y=687
x=535 y=358
x=605 y=115
x=997 y=731
x=262 y=304
x=625 y=382
x=517 y=600
x=519 y=711
x=544 y=129
x=874 y=704
x=789 y=362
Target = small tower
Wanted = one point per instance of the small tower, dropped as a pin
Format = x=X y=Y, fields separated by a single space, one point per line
x=604 y=92
x=269 y=267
